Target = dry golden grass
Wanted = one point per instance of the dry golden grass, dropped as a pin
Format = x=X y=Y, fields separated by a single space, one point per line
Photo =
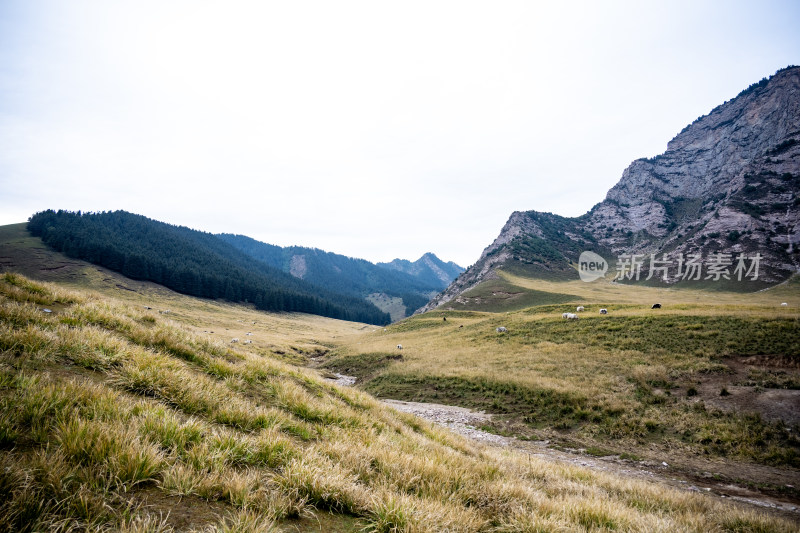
x=624 y=382
x=104 y=402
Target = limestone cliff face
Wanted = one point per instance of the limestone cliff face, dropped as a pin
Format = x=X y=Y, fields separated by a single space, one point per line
x=736 y=169
x=700 y=180
x=728 y=182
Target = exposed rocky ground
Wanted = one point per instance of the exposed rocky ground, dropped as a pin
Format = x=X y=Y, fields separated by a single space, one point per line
x=459 y=419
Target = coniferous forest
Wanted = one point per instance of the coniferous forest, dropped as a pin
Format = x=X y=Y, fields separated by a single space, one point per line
x=190 y=262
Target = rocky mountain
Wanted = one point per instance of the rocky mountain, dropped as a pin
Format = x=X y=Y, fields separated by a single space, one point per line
x=428 y=269
x=721 y=202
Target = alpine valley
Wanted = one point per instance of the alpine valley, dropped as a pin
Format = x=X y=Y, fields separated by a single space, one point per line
x=157 y=379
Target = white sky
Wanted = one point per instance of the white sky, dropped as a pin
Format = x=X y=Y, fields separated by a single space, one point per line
x=372 y=129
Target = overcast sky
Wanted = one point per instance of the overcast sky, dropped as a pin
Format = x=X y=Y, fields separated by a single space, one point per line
x=372 y=129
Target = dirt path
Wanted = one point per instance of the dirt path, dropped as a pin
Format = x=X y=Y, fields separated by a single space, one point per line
x=466 y=422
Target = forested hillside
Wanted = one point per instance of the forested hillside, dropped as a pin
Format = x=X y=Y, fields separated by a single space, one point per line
x=339 y=273
x=190 y=262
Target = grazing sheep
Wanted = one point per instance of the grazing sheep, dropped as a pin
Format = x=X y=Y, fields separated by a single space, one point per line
x=656 y=306
x=234 y=340
x=501 y=329
x=248 y=333
x=565 y=315
x=579 y=309
x=572 y=316
x=784 y=304
x=248 y=341
x=604 y=311
x=399 y=346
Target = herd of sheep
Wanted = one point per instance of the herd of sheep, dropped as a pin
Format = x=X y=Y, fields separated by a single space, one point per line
x=580 y=308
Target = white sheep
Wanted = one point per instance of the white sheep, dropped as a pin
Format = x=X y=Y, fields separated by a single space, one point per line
x=579 y=309
x=235 y=339
x=604 y=311
x=572 y=316
x=565 y=315
x=784 y=304
x=501 y=329
x=399 y=346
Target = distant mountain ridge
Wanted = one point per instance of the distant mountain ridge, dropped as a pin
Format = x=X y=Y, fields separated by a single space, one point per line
x=727 y=184
x=428 y=268
x=383 y=284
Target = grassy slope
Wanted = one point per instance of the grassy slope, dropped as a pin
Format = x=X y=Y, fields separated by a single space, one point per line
x=115 y=416
x=636 y=381
x=601 y=291
x=523 y=286
x=503 y=294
